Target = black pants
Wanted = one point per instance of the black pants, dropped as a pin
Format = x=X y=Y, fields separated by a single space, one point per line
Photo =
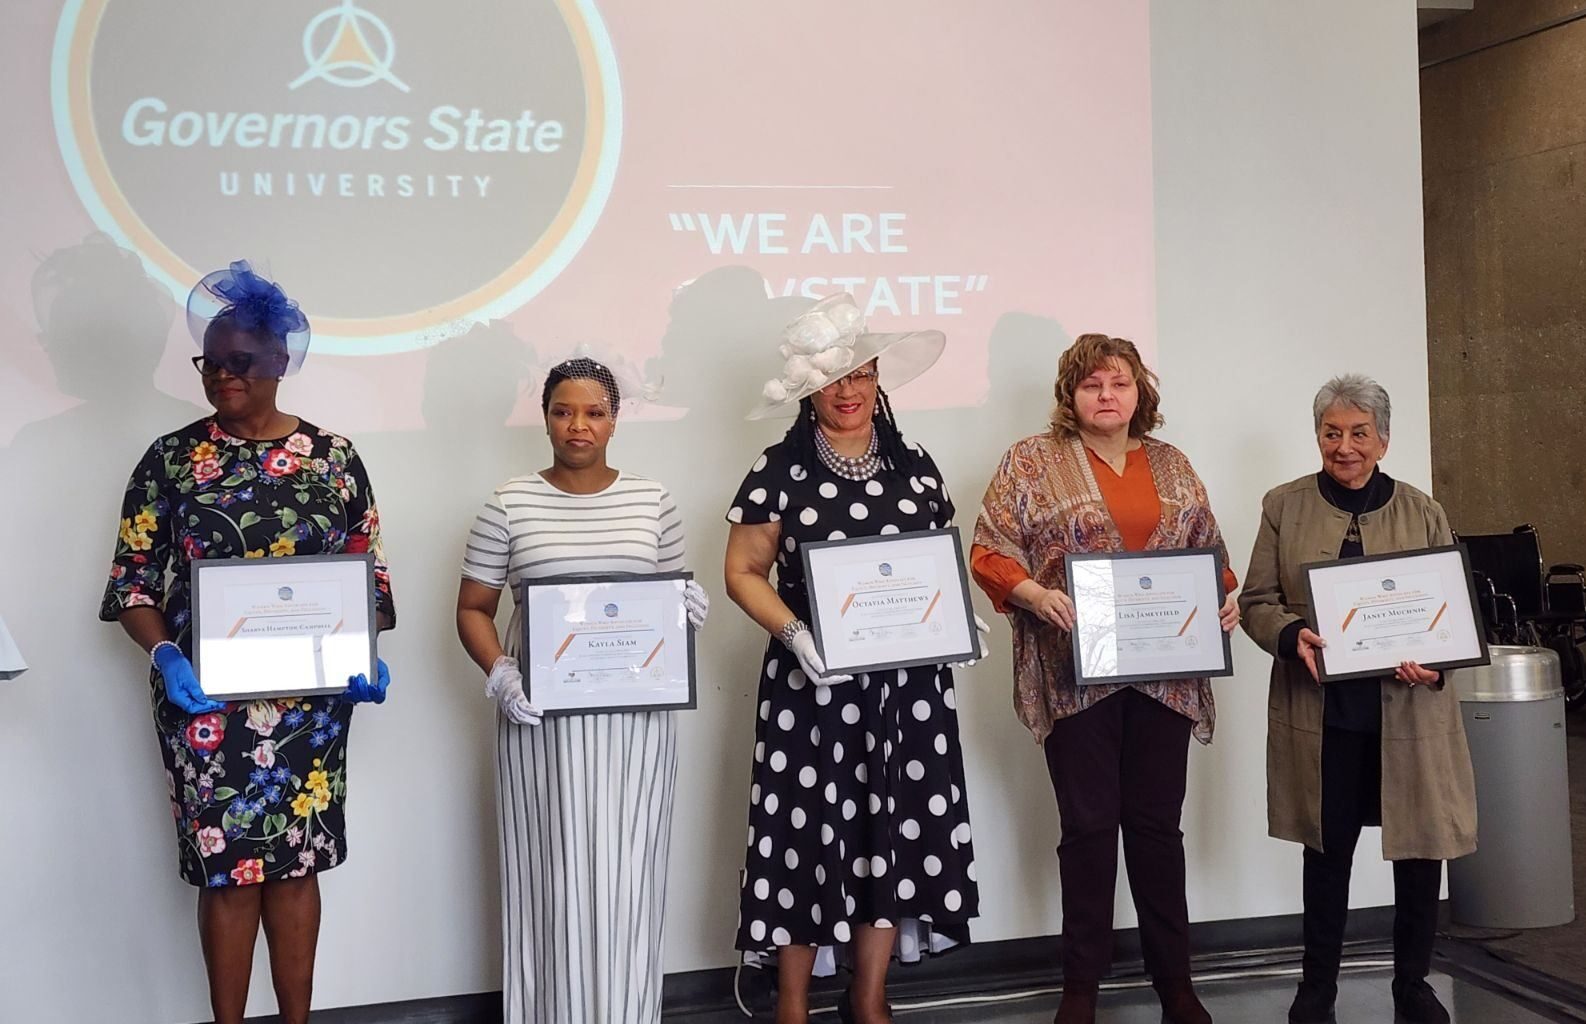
x=1352 y=798
x=1121 y=764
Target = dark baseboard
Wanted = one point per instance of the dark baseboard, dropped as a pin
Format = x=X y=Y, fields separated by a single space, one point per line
x=1014 y=964
x=981 y=967
x=479 y=1008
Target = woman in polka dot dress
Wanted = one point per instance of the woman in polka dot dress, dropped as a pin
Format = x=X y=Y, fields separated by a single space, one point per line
x=859 y=828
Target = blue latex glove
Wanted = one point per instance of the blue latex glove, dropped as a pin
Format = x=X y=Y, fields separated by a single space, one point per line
x=361 y=691
x=181 y=685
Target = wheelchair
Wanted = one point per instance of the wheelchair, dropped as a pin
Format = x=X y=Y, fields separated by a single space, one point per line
x=1524 y=601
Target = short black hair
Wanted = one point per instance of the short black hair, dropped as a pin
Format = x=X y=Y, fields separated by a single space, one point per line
x=581 y=368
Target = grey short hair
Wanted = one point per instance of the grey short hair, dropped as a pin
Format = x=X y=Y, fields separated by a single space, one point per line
x=1357 y=391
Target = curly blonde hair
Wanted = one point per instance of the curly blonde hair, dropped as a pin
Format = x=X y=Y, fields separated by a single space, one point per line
x=1089 y=353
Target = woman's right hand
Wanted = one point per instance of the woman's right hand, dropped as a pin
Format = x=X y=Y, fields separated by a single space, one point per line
x=505 y=686
x=1052 y=607
x=1309 y=644
x=809 y=659
x=181 y=684
x=1055 y=608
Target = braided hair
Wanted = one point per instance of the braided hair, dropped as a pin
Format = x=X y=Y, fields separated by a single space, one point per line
x=896 y=456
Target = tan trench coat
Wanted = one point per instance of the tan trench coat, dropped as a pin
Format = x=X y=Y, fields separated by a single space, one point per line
x=1428 y=788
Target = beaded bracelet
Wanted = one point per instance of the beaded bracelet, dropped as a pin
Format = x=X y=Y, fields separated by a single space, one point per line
x=155 y=650
x=790 y=630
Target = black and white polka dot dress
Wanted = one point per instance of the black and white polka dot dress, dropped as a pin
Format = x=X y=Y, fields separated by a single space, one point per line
x=857 y=809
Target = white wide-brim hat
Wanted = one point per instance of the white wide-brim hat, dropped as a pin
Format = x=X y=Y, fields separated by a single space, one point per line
x=828 y=341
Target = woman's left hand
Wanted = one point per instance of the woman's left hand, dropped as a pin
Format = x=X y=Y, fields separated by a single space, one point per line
x=1413 y=674
x=981 y=632
x=361 y=691
x=697 y=603
x=1229 y=616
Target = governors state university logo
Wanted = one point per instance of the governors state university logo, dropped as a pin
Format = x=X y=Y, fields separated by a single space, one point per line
x=408 y=166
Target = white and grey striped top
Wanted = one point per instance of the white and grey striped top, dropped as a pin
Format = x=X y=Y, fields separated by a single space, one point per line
x=529 y=529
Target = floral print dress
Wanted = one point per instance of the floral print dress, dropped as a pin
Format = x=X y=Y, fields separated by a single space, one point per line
x=257 y=788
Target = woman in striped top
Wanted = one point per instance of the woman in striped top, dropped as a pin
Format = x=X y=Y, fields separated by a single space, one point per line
x=585 y=800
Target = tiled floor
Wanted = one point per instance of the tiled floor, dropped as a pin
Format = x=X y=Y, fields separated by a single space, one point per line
x=1362 y=999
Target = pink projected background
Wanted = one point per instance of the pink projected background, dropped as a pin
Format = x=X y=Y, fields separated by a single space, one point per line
x=951 y=164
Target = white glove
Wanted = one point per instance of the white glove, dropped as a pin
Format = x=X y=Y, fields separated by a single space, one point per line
x=803 y=648
x=505 y=687
x=697 y=603
x=981 y=632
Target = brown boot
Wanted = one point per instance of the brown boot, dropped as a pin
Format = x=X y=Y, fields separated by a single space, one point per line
x=1079 y=1003
x=1179 y=1004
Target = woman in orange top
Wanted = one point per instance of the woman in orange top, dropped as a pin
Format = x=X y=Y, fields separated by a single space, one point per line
x=1117 y=755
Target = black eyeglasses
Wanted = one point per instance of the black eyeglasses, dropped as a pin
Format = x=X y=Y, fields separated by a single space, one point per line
x=235 y=363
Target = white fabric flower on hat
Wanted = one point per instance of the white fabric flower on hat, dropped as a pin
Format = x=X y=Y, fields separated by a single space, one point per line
x=830 y=339
x=845 y=316
x=798 y=369
x=816 y=347
x=833 y=359
x=811 y=334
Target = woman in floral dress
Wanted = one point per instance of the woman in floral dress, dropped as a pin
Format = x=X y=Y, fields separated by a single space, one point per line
x=257 y=788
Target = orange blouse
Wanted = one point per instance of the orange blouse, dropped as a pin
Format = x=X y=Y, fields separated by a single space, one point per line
x=1131 y=500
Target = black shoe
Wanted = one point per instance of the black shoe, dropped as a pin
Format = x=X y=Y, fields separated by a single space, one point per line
x=1313 y=1004
x=1416 y=1003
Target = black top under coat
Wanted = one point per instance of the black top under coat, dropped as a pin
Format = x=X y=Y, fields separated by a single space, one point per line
x=1356 y=704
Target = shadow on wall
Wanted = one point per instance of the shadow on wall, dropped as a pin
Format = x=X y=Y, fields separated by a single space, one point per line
x=471 y=385
x=967 y=444
x=718 y=349
x=720 y=344
x=1022 y=364
x=103 y=324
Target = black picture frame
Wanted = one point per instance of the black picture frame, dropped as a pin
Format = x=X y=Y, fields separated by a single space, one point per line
x=201 y=566
x=893 y=538
x=1311 y=620
x=526 y=586
x=1227 y=668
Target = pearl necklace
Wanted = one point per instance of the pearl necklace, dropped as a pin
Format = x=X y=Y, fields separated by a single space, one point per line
x=859 y=467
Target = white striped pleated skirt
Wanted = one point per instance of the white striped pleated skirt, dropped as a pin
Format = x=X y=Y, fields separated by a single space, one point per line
x=586 y=826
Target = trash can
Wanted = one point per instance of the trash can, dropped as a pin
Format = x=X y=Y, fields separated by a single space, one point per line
x=1521 y=874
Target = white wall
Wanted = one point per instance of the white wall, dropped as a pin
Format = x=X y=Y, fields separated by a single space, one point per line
x=1288 y=212
x=1289 y=250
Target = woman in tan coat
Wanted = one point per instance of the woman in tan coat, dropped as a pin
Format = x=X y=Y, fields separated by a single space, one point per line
x=1387 y=751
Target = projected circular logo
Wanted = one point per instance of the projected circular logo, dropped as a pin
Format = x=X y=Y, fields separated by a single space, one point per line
x=404 y=168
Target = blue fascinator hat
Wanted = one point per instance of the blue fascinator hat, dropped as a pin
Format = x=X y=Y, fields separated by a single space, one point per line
x=252 y=305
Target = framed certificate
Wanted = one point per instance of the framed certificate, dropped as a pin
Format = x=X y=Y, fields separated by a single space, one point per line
x=890 y=602
x=1143 y=616
x=11 y=663
x=609 y=642
x=282 y=627
x=1378 y=610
